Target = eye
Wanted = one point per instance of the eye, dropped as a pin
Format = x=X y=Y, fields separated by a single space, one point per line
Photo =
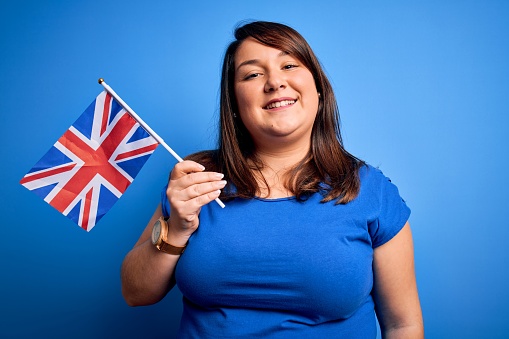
x=290 y=66
x=252 y=76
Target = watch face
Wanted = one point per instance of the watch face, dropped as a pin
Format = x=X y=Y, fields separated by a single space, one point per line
x=156 y=232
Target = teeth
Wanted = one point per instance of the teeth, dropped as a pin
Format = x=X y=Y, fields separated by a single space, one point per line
x=281 y=103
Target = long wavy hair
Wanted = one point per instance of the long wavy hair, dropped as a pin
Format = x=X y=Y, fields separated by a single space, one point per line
x=328 y=168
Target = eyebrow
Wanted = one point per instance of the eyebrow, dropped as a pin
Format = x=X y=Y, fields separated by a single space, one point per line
x=257 y=61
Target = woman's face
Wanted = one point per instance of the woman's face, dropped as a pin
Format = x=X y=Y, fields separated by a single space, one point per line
x=276 y=95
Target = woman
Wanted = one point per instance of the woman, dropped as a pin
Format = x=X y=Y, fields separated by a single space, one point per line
x=312 y=241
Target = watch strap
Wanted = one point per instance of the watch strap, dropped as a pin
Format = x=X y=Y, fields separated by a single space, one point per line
x=162 y=245
x=170 y=249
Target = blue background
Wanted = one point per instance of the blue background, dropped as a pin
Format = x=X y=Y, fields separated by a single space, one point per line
x=422 y=89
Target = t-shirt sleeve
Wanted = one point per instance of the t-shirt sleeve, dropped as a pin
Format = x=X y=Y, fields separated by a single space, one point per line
x=392 y=215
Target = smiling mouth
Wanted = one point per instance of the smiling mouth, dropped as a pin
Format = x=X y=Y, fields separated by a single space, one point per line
x=282 y=103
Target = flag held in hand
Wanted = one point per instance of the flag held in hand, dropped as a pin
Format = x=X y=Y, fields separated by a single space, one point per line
x=92 y=164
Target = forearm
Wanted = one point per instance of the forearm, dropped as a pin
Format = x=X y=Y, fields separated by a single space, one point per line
x=147 y=274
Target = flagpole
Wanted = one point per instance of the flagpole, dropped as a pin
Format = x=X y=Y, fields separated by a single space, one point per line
x=145 y=126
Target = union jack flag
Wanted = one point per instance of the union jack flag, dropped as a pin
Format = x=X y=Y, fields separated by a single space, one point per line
x=92 y=164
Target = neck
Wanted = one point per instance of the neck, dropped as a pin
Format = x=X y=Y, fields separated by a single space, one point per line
x=280 y=162
x=276 y=162
x=282 y=156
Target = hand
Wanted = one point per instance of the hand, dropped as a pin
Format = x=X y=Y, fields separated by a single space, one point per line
x=189 y=189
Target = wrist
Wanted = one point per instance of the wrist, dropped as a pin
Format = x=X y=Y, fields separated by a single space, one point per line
x=160 y=240
x=178 y=232
x=178 y=239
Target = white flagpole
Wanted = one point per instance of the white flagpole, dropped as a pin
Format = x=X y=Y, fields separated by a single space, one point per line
x=145 y=126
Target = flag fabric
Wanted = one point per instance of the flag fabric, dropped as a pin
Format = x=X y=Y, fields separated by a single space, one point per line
x=92 y=164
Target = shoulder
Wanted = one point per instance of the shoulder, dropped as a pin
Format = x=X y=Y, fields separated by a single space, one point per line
x=388 y=211
x=379 y=191
x=372 y=178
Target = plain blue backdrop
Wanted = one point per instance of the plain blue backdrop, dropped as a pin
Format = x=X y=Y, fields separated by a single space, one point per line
x=423 y=94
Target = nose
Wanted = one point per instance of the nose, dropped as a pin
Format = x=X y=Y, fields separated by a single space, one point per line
x=274 y=82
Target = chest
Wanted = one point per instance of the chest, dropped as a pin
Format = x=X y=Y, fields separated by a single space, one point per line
x=314 y=259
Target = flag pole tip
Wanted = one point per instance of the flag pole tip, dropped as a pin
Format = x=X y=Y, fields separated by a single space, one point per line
x=101 y=80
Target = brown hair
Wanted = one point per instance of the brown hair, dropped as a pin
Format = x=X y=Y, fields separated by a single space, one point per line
x=328 y=168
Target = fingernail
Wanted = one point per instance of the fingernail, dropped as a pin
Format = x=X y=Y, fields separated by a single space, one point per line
x=202 y=167
x=219 y=175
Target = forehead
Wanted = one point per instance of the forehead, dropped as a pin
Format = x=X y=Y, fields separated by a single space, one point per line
x=251 y=50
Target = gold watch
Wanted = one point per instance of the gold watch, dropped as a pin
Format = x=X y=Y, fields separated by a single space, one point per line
x=159 y=233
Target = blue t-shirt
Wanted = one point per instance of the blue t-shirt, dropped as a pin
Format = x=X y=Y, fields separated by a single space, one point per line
x=280 y=268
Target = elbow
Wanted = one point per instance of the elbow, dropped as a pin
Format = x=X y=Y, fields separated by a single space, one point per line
x=132 y=291
x=130 y=298
x=131 y=302
x=415 y=330
x=142 y=289
x=134 y=300
x=138 y=297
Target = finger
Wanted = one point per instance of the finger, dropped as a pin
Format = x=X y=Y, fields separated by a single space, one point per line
x=194 y=185
x=198 y=190
x=185 y=167
x=178 y=197
x=187 y=210
x=204 y=199
x=197 y=178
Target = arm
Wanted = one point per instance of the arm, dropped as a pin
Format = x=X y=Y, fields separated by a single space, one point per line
x=147 y=274
x=395 y=289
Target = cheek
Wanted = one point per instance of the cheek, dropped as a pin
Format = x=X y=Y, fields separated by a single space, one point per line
x=314 y=103
x=244 y=104
x=242 y=96
x=306 y=84
x=310 y=98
